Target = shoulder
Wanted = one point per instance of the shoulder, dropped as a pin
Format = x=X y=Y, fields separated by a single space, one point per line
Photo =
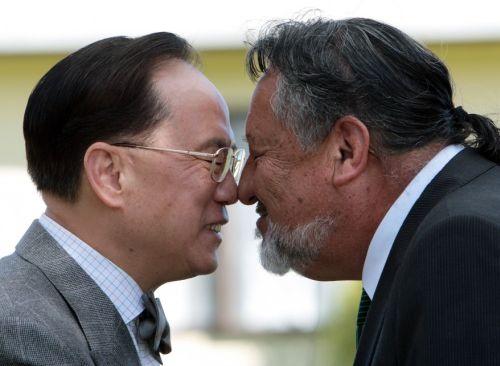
x=476 y=202
x=24 y=286
x=452 y=263
x=463 y=227
x=454 y=259
x=455 y=240
x=28 y=341
x=35 y=317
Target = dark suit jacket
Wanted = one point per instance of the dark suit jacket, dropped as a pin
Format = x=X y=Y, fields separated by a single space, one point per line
x=53 y=313
x=438 y=299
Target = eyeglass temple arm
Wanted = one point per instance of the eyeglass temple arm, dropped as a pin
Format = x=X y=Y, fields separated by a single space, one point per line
x=188 y=152
x=194 y=153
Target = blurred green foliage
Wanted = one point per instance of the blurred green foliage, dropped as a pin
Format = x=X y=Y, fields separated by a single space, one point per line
x=340 y=331
x=331 y=345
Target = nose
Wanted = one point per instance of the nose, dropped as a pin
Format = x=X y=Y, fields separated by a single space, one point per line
x=226 y=191
x=246 y=193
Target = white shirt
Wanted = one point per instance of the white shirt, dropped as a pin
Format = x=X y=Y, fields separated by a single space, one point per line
x=386 y=233
x=121 y=289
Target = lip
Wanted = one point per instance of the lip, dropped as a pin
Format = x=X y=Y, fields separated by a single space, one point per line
x=216 y=234
x=220 y=222
x=262 y=220
x=214 y=238
x=261 y=209
x=262 y=224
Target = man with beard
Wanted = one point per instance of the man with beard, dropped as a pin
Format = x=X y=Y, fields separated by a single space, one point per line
x=363 y=168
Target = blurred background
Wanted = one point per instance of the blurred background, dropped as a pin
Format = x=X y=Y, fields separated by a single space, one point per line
x=240 y=315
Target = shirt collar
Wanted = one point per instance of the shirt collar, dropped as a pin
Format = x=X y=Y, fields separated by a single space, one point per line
x=122 y=290
x=383 y=239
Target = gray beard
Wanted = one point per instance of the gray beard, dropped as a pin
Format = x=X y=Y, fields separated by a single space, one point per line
x=283 y=248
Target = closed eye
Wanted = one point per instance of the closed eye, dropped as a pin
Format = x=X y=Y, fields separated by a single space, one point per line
x=256 y=156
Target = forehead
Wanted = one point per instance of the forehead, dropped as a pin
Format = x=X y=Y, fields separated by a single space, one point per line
x=262 y=124
x=198 y=113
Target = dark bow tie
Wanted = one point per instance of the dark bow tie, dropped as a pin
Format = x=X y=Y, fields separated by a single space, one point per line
x=153 y=326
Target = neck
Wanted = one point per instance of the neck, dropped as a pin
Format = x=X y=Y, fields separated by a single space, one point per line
x=366 y=202
x=392 y=175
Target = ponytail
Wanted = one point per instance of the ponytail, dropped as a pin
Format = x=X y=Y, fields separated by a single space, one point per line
x=486 y=135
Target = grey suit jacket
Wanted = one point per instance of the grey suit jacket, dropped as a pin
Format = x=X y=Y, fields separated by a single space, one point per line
x=53 y=313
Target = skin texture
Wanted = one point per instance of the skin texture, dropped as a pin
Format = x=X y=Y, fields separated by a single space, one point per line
x=150 y=212
x=341 y=179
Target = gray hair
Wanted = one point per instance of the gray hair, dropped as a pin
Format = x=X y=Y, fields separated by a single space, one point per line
x=284 y=248
x=400 y=90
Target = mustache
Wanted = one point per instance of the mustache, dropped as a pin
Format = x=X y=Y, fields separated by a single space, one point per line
x=261 y=209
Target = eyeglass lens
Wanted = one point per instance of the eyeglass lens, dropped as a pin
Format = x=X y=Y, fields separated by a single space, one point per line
x=227 y=159
x=237 y=164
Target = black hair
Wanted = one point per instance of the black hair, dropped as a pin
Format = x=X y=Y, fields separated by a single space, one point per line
x=101 y=92
x=331 y=68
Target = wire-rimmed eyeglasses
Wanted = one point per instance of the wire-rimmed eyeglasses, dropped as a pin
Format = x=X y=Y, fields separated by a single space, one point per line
x=222 y=161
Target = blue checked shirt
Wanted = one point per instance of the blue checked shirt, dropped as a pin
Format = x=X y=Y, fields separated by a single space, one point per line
x=121 y=289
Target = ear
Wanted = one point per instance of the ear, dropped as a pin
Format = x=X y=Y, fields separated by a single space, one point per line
x=350 y=140
x=103 y=168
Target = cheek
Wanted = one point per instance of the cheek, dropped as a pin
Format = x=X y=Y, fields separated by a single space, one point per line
x=272 y=184
x=189 y=201
x=293 y=194
x=186 y=184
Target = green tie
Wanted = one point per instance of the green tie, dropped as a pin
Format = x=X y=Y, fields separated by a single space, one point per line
x=364 y=305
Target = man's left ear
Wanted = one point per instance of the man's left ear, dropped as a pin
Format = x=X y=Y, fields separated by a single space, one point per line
x=103 y=168
x=350 y=140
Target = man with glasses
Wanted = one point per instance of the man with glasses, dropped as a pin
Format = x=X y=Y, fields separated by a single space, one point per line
x=132 y=151
x=363 y=168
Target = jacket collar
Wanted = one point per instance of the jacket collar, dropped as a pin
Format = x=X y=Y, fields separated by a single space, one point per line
x=107 y=335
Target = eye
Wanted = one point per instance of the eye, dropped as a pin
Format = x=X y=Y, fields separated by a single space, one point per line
x=256 y=156
x=219 y=160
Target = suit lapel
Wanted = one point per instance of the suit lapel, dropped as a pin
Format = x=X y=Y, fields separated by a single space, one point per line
x=107 y=335
x=459 y=171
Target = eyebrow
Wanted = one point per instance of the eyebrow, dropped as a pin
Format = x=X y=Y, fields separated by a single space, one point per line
x=216 y=142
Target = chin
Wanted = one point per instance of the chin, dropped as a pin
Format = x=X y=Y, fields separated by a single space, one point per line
x=194 y=269
x=207 y=270
x=322 y=274
x=312 y=272
x=206 y=267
